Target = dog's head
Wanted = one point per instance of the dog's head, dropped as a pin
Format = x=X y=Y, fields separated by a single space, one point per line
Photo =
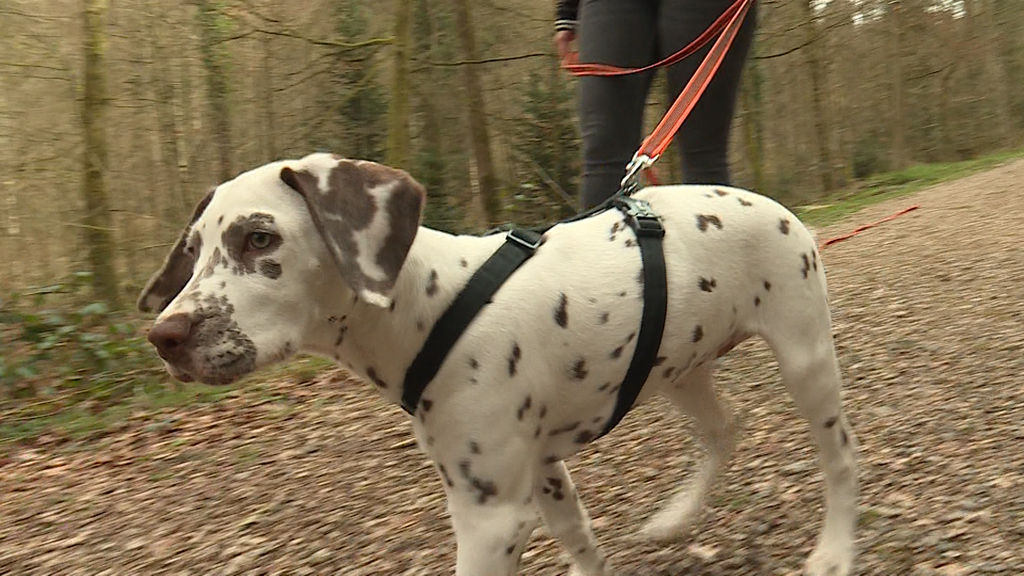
x=246 y=280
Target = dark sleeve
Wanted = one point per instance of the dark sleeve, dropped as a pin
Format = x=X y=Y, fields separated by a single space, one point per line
x=565 y=14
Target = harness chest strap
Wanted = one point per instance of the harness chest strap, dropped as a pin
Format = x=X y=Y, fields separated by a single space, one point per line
x=519 y=246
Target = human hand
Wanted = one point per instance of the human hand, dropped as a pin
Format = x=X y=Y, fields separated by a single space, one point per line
x=563 y=43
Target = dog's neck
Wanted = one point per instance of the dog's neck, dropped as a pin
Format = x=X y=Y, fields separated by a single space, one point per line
x=379 y=343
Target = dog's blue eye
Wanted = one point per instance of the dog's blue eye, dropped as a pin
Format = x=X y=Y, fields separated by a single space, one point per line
x=259 y=240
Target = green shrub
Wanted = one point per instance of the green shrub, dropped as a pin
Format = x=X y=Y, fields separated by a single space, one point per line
x=58 y=350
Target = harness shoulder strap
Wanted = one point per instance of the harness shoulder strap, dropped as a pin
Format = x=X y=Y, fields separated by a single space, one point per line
x=519 y=246
x=649 y=232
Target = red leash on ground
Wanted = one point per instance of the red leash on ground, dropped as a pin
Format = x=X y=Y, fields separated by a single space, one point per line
x=860 y=229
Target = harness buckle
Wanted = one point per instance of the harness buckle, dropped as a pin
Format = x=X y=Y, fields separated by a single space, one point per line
x=523 y=238
x=641 y=218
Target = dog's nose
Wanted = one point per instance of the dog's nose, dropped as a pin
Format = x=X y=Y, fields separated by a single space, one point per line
x=170 y=334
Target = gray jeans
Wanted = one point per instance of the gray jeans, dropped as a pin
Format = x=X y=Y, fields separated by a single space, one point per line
x=634 y=33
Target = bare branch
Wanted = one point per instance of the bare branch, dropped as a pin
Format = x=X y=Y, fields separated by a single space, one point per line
x=489 y=60
x=41 y=66
x=313 y=41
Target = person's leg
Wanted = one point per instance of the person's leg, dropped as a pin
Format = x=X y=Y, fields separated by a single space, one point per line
x=704 y=136
x=620 y=33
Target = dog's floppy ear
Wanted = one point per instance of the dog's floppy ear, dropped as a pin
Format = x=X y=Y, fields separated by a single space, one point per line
x=167 y=282
x=367 y=214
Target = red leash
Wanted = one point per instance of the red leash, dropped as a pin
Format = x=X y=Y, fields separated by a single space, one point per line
x=728 y=25
x=860 y=229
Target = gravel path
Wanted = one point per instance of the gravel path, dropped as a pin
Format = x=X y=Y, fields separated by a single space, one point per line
x=320 y=477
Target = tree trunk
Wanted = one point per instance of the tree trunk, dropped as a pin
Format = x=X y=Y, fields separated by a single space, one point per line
x=98 y=233
x=753 y=122
x=398 y=105
x=269 y=127
x=817 y=72
x=487 y=179
x=178 y=206
x=897 y=125
x=432 y=148
x=214 y=57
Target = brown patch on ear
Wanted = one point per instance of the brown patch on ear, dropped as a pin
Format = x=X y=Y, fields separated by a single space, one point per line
x=167 y=282
x=347 y=211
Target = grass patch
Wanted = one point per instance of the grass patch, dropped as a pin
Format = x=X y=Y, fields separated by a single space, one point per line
x=81 y=420
x=889 y=185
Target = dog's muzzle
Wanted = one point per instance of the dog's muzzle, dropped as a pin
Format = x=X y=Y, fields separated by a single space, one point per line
x=196 y=350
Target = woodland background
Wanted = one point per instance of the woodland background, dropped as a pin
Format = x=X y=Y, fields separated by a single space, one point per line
x=116 y=116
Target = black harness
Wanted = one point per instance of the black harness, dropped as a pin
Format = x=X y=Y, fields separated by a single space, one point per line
x=520 y=244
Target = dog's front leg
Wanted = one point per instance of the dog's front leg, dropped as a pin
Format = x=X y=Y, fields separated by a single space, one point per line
x=567 y=520
x=492 y=515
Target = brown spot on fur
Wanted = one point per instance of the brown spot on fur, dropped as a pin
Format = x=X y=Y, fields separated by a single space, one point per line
x=784 y=226
x=584 y=436
x=444 y=474
x=564 y=429
x=698 y=333
x=562 y=311
x=527 y=403
x=432 y=283
x=703 y=221
x=270 y=268
x=707 y=285
x=513 y=360
x=372 y=375
x=579 y=369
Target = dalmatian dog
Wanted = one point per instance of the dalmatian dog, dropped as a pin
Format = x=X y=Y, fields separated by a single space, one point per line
x=326 y=255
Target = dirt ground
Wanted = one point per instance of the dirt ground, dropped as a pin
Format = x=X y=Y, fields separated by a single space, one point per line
x=320 y=477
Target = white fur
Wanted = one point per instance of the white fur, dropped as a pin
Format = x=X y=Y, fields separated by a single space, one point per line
x=487 y=404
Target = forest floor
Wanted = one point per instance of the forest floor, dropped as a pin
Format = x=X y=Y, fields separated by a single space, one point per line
x=311 y=475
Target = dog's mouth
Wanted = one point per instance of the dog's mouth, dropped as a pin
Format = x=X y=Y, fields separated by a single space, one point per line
x=217 y=370
x=219 y=363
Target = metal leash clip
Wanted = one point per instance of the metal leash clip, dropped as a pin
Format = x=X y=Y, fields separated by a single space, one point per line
x=636 y=165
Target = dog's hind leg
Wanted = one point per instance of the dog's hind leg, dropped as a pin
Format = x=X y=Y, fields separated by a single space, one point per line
x=694 y=394
x=801 y=337
x=567 y=520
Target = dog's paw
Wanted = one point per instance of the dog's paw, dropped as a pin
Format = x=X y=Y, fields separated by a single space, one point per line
x=830 y=561
x=672 y=522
